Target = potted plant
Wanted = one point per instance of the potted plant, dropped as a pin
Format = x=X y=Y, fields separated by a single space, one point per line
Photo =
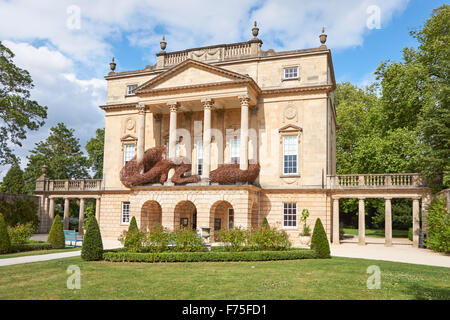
x=305 y=235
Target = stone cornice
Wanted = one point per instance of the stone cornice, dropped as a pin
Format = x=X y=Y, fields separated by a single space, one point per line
x=305 y=89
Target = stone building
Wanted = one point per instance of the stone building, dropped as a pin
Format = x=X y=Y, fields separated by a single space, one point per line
x=269 y=113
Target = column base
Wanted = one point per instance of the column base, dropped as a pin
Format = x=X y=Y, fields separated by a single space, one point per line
x=388 y=244
x=362 y=243
x=205 y=182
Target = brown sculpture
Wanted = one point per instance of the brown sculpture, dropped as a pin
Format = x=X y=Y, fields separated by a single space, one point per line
x=155 y=168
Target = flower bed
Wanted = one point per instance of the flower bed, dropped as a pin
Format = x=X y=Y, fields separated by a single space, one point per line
x=295 y=254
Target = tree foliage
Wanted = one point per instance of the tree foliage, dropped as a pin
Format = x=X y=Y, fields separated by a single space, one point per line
x=92 y=244
x=13 y=182
x=18 y=113
x=319 y=241
x=95 y=149
x=61 y=153
x=56 y=234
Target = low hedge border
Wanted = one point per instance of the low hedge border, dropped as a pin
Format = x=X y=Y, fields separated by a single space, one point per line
x=212 y=256
x=31 y=246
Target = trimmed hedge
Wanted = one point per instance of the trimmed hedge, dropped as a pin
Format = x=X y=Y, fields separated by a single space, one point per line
x=92 y=248
x=56 y=234
x=33 y=246
x=5 y=242
x=208 y=256
x=319 y=241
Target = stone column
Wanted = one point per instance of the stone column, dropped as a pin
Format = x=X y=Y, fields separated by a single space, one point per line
x=66 y=213
x=81 y=216
x=243 y=160
x=51 y=209
x=387 y=223
x=141 y=133
x=173 y=129
x=416 y=222
x=425 y=203
x=336 y=221
x=97 y=210
x=207 y=106
x=361 y=223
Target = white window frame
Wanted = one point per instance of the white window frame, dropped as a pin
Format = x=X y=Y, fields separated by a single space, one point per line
x=290 y=73
x=130 y=89
x=230 y=218
x=125 y=216
x=290 y=215
x=235 y=145
x=126 y=147
x=290 y=149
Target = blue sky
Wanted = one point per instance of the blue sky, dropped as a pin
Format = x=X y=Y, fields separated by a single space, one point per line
x=66 y=45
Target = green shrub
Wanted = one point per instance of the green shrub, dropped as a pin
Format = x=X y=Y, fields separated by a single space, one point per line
x=265 y=223
x=92 y=244
x=20 y=233
x=187 y=240
x=19 y=211
x=410 y=234
x=208 y=256
x=438 y=223
x=5 y=242
x=30 y=246
x=158 y=239
x=264 y=238
x=56 y=235
x=234 y=239
x=134 y=237
x=319 y=241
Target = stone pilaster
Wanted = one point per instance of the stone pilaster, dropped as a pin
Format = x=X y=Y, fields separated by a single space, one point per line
x=66 y=213
x=141 y=134
x=243 y=160
x=173 y=129
x=97 y=210
x=416 y=222
x=336 y=221
x=81 y=216
x=51 y=209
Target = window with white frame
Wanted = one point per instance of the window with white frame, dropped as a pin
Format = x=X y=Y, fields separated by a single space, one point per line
x=199 y=157
x=128 y=152
x=131 y=88
x=289 y=214
x=125 y=212
x=291 y=73
x=290 y=154
x=234 y=150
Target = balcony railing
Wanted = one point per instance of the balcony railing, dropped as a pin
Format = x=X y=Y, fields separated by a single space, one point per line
x=70 y=185
x=391 y=180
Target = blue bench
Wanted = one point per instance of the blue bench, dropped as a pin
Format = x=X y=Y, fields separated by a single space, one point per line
x=72 y=237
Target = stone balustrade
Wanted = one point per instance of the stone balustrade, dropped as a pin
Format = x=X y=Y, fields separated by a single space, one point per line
x=70 y=185
x=391 y=180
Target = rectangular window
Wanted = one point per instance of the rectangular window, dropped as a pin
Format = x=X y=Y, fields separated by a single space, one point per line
x=234 y=150
x=128 y=152
x=131 y=88
x=290 y=215
x=125 y=212
x=291 y=73
x=290 y=151
x=200 y=157
x=230 y=218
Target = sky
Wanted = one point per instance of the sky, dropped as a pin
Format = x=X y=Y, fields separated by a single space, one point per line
x=67 y=45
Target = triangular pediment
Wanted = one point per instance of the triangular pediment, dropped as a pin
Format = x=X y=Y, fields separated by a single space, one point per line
x=190 y=73
x=290 y=127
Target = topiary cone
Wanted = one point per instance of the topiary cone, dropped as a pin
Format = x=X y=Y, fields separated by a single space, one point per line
x=56 y=235
x=92 y=243
x=319 y=241
x=5 y=242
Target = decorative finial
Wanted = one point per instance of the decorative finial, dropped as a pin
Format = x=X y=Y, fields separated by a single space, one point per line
x=255 y=31
x=163 y=44
x=112 y=65
x=323 y=38
x=44 y=169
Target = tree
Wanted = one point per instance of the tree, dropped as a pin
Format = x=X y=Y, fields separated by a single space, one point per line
x=18 y=113
x=95 y=149
x=61 y=153
x=56 y=234
x=13 y=181
x=92 y=244
x=319 y=241
x=438 y=223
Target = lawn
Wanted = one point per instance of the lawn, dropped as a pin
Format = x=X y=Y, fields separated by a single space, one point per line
x=336 y=278
x=378 y=233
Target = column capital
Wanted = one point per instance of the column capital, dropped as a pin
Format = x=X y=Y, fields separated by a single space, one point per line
x=244 y=99
x=207 y=103
x=335 y=197
x=416 y=198
x=361 y=198
x=173 y=106
x=388 y=198
x=141 y=108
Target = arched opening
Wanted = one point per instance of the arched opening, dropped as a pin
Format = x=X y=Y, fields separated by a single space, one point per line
x=151 y=214
x=221 y=218
x=185 y=215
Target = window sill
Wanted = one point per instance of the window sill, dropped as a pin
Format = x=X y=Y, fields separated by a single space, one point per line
x=290 y=228
x=290 y=79
x=290 y=176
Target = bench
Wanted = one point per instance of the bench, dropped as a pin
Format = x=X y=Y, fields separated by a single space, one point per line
x=72 y=237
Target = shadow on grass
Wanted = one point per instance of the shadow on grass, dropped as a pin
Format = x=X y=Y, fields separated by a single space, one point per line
x=428 y=292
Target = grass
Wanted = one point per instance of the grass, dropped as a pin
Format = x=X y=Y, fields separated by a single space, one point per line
x=336 y=278
x=378 y=233
x=36 y=252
